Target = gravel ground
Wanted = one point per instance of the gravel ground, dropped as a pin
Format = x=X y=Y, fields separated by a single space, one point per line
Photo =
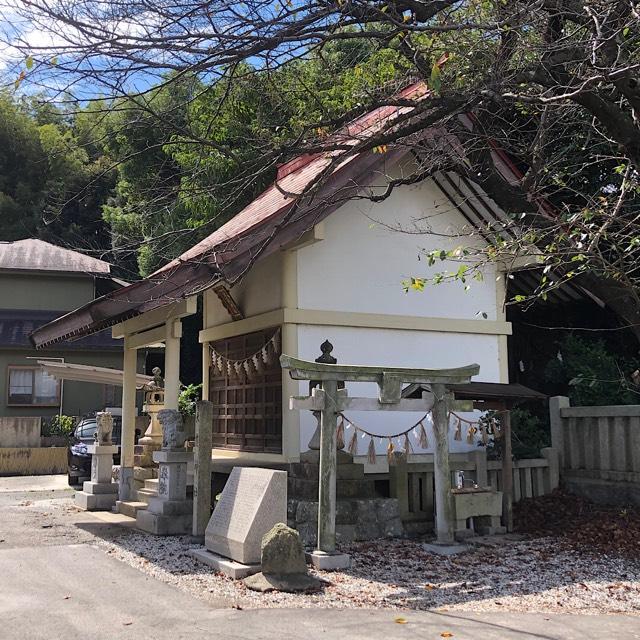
x=532 y=574
x=515 y=575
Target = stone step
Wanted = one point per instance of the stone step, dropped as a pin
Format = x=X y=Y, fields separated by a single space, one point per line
x=151 y=484
x=130 y=507
x=144 y=495
x=144 y=473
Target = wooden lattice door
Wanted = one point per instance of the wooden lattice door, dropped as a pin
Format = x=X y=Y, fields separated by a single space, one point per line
x=247 y=413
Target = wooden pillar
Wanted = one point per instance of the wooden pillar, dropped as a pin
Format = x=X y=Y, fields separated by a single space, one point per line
x=556 y=405
x=128 y=431
x=206 y=365
x=442 y=472
x=202 y=467
x=172 y=364
x=507 y=471
x=328 y=463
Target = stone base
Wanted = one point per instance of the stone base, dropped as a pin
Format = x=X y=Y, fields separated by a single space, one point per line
x=356 y=520
x=445 y=549
x=162 y=507
x=228 y=567
x=160 y=525
x=290 y=583
x=95 y=501
x=99 y=487
x=328 y=561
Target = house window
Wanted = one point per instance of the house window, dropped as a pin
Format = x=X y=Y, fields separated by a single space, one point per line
x=32 y=386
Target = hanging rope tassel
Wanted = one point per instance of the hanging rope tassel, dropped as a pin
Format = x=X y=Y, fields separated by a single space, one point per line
x=371 y=452
x=258 y=364
x=485 y=435
x=407 y=444
x=458 y=433
x=390 y=450
x=470 y=434
x=340 y=434
x=423 y=440
x=353 y=443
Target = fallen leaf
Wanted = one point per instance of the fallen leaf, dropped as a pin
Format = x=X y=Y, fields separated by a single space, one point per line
x=66 y=597
x=446 y=634
x=126 y=624
x=401 y=620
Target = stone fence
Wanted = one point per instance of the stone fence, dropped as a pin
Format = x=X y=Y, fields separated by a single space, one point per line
x=598 y=449
x=19 y=431
x=26 y=461
x=412 y=482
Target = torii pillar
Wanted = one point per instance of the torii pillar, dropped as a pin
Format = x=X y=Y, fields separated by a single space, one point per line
x=330 y=401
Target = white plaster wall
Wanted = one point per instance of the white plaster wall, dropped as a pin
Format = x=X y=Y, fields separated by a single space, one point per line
x=260 y=291
x=395 y=348
x=361 y=263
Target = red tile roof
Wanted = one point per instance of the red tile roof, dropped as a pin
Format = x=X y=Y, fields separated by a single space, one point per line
x=297 y=174
x=229 y=251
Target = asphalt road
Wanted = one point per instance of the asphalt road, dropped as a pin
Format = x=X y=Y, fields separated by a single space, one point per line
x=54 y=583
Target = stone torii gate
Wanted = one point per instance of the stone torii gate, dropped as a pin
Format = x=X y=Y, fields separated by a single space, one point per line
x=329 y=400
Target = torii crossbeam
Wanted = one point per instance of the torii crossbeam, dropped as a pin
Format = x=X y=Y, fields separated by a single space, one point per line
x=330 y=401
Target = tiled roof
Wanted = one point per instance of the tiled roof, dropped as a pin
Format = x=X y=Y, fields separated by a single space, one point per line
x=227 y=253
x=296 y=175
x=17 y=324
x=37 y=255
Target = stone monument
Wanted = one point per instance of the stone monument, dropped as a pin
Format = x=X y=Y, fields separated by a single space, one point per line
x=170 y=513
x=100 y=493
x=283 y=563
x=252 y=502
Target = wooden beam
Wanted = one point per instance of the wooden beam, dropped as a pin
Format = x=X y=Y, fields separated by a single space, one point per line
x=147 y=338
x=228 y=302
x=155 y=318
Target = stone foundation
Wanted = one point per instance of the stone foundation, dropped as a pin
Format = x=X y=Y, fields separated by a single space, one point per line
x=360 y=514
x=356 y=520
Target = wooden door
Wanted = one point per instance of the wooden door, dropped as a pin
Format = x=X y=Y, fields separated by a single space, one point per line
x=247 y=414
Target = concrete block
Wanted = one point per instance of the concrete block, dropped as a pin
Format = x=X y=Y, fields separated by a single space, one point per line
x=328 y=561
x=99 y=487
x=170 y=507
x=230 y=568
x=95 y=501
x=160 y=525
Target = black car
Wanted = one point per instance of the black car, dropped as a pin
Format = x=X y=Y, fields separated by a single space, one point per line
x=78 y=458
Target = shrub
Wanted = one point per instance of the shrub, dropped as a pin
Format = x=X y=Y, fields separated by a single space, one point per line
x=59 y=426
x=592 y=373
x=188 y=398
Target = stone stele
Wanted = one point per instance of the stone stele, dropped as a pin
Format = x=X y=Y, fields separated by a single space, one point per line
x=283 y=563
x=253 y=501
